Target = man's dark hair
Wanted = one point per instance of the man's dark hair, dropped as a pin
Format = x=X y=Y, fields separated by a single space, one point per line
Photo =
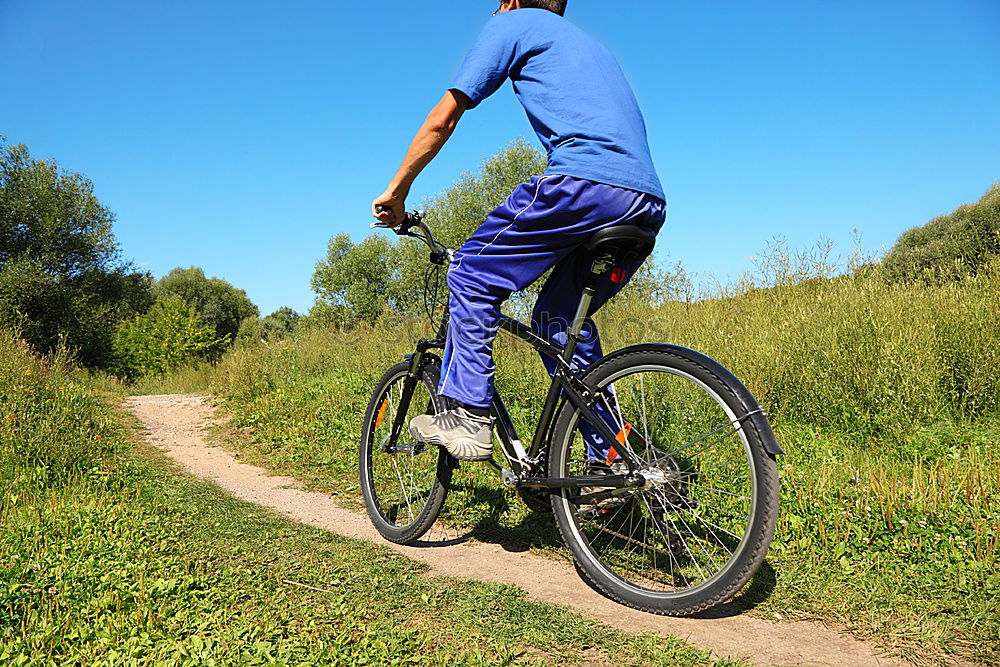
x=557 y=6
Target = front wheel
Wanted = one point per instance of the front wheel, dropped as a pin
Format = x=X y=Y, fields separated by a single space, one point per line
x=405 y=483
x=694 y=533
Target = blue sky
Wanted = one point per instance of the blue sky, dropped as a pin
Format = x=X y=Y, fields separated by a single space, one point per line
x=240 y=136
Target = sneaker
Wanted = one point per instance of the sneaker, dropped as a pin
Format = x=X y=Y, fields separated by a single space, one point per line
x=466 y=436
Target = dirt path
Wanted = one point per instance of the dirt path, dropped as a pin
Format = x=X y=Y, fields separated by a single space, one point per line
x=176 y=424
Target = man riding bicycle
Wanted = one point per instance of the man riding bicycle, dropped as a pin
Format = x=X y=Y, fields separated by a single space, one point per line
x=600 y=173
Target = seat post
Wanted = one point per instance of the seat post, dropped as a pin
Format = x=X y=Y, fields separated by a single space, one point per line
x=573 y=335
x=607 y=246
x=601 y=264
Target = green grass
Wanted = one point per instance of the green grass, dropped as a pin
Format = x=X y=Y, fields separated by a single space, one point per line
x=900 y=549
x=884 y=395
x=109 y=556
x=183 y=380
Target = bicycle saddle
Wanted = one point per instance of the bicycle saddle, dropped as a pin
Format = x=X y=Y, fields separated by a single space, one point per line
x=619 y=239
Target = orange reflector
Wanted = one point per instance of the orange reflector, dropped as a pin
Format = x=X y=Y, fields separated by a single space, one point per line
x=618 y=275
x=381 y=412
x=621 y=438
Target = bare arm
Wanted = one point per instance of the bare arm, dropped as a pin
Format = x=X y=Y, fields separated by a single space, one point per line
x=431 y=136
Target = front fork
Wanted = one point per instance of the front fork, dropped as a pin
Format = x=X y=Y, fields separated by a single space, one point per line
x=418 y=360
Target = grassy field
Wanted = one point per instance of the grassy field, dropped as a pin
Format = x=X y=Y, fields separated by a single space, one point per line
x=109 y=556
x=885 y=396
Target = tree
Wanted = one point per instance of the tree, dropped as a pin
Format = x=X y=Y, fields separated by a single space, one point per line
x=360 y=282
x=282 y=321
x=220 y=305
x=62 y=278
x=356 y=276
x=950 y=246
x=279 y=324
x=169 y=335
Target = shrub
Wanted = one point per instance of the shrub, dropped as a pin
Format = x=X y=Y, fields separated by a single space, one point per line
x=219 y=304
x=52 y=429
x=951 y=246
x=169 y=335
x=279 y=324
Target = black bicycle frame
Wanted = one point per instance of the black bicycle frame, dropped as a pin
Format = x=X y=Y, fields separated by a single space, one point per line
x=566 y=385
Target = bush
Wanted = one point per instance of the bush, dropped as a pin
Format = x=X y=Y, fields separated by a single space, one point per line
x=169 y=335
x=279 y=324
x=52 y=429
x=951 y=246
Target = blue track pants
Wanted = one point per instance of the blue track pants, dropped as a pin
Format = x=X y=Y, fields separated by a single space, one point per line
x=541 y=225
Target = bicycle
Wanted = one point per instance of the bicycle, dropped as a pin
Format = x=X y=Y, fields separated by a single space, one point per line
x=675 y=518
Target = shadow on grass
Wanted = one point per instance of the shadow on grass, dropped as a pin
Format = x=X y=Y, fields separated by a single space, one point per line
x=486 y=513
x=488 y=509
x=535 y=530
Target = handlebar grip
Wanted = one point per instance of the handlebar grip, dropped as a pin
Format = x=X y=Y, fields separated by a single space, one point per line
x=409 y=219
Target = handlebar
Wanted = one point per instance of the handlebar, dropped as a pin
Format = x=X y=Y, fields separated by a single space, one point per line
x=409 y=220
x=439 y=253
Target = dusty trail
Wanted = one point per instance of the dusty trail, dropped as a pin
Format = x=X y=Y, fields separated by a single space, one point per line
x=176 y=424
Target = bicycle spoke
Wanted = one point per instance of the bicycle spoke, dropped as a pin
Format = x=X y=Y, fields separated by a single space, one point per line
x=684 y=542
x=402 y=486
x=642 y=392
x=605 y=529
x=706 y=522
x=682 y=448
x=714 y=490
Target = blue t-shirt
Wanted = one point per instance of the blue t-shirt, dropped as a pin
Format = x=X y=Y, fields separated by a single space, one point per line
x=574 y=92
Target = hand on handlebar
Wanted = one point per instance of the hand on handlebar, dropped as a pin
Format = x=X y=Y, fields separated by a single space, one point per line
x=401 y=226
x=389 y=209
x=405 y=221
x=409 y=222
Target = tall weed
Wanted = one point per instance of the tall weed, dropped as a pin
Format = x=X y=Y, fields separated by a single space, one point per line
x=52 y=429
x=854 y=353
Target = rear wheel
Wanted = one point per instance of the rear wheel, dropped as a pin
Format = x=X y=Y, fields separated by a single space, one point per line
x=699 y=527
x=404 y=484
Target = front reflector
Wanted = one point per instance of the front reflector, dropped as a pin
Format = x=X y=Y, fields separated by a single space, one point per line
x=381 y=412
